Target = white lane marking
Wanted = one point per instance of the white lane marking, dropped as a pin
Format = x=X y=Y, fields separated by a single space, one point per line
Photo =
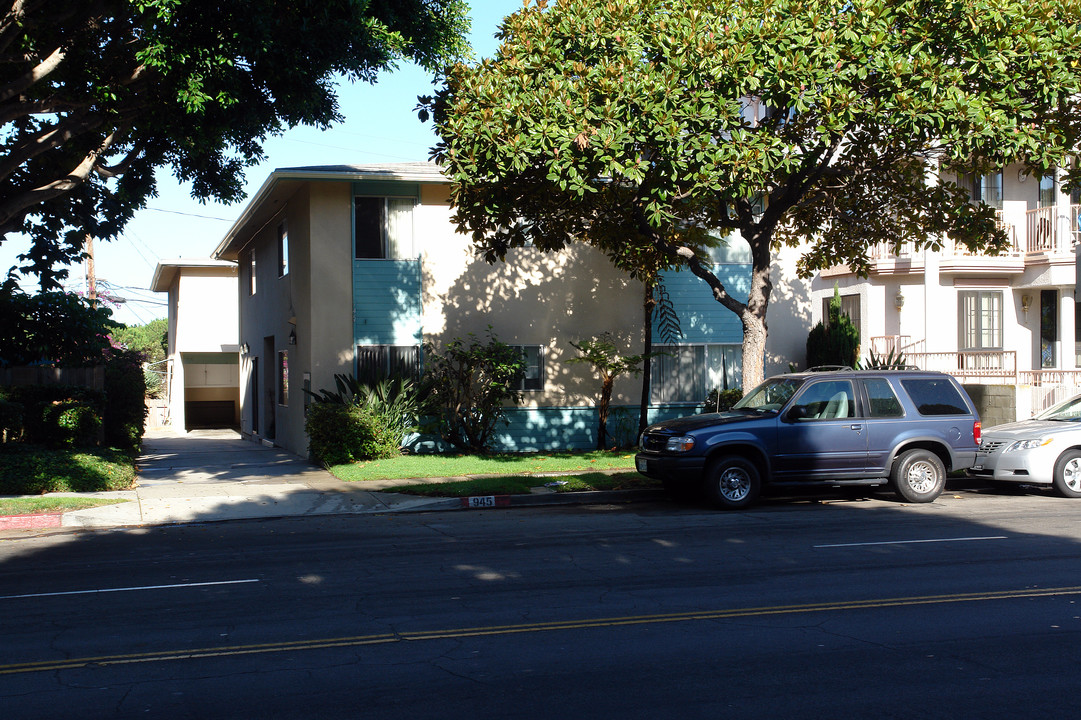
x=912 y=542
x=128 y=589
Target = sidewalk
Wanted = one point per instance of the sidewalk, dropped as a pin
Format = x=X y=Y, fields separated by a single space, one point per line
x=214 y=475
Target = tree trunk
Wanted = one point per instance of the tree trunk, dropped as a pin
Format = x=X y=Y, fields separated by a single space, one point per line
x=753 y=316
x=648 y=303
x=602 y=412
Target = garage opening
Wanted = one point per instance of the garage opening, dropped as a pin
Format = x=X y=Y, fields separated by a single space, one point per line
x=211 y=390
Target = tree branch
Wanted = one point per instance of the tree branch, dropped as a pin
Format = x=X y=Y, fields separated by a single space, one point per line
x=14 y=208
x=36 y=73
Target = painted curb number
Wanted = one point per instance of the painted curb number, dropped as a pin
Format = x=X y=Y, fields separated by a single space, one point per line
x=486 y=501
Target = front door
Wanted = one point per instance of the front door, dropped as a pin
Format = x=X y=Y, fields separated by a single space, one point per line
x=821 y=435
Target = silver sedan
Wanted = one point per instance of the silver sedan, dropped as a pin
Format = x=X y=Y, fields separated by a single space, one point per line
x=1045 y=450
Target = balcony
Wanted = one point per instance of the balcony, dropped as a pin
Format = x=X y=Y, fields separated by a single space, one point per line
x=1036 y=236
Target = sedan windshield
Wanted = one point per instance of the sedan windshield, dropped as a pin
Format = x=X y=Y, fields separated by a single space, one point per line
x=770 y=396
x=1068 y=411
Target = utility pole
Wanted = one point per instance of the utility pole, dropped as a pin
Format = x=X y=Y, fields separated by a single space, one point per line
x=91 y=278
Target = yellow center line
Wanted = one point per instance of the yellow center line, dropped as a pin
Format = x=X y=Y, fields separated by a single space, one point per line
x=556 y=625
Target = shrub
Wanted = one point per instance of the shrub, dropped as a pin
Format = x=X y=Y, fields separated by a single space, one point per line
x=58 y=414
x=340 y=433
x=837 y=343
x=720 y=400
x=471 y=380
x=72 y=422
x=125 y=399
x=11 y=420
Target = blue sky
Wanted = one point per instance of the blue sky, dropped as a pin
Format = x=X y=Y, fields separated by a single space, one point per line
x=380 y=126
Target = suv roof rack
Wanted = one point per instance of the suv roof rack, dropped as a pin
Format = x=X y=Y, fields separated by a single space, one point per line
x=828 y=368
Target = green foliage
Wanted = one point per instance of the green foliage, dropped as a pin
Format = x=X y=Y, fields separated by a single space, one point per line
x=100 y=94
x=27 y=469
x=151 y=339
x=54 y=415
x=125 y=403
x=894 y=360
x=602 y=354
x=837 y=343
x=471 y=380
x=11 y=419
x=636 y=124
x=55 y=328
x=720 y=400
x=398 y=403
x=341 y=433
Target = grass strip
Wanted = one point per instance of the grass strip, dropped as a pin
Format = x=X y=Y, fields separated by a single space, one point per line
x=523 y=485
x=46 y=505
x=407 y=467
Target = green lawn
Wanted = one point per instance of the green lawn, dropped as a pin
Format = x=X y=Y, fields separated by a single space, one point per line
x=523 y=484
x=433 y=466
x=34 y=470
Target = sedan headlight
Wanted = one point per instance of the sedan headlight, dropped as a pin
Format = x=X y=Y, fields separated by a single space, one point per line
x=680 y=444
x=1028 y=444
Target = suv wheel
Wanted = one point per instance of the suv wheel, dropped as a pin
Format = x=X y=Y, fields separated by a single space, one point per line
x=918 y=476
x=732 y=482
x=1067 y=480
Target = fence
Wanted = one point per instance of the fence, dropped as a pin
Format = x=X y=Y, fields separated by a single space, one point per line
x=90 y=377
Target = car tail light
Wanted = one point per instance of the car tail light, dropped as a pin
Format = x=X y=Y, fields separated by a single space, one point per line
x=977 y=431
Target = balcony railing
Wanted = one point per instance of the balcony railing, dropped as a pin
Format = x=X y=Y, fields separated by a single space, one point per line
x=1048 y=230
x=1052 y=229
x=993 y=366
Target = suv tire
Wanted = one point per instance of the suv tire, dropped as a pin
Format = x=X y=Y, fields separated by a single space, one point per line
x=732 y=482
x=918 y=476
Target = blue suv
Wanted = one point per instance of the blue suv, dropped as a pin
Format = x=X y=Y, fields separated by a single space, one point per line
x=845 y=427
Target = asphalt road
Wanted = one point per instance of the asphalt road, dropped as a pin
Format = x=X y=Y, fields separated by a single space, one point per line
x=968 y=607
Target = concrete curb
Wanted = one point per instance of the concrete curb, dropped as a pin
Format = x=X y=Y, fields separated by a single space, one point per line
x=127 y=513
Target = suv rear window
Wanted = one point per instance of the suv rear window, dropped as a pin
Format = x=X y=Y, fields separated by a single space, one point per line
x=935 y=396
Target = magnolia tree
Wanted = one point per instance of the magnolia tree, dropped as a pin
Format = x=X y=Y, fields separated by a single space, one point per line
x=97 y=94
x=641 y=123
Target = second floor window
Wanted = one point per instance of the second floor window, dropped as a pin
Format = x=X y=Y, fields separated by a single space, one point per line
x=251 y=272
x=384 y=228
x=283 y=250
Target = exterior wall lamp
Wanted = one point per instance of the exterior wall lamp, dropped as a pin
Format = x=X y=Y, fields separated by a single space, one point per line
x=899 y=299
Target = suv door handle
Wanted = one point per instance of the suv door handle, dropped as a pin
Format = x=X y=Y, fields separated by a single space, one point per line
x=858 y=428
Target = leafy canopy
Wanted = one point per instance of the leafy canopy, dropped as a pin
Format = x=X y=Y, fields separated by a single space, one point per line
x=96 y=94
x=644 y=123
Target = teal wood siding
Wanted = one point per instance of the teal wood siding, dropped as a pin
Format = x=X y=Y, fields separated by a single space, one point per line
x=541 y=429
x=701 y=318
x=386 y=302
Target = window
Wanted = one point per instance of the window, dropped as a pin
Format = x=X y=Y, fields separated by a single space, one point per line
x=986 y=189
x=283 y=250
x=884 y=402
x=850 y=306
x=1048 y=328
x=251 y=272
x=379 y=362
x=283 y=377
x=981 y=319
x=1046 y=191
x=687 y=373
x=384 y=228
x=534 y=367
x=831 y=400
x=935 y=397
